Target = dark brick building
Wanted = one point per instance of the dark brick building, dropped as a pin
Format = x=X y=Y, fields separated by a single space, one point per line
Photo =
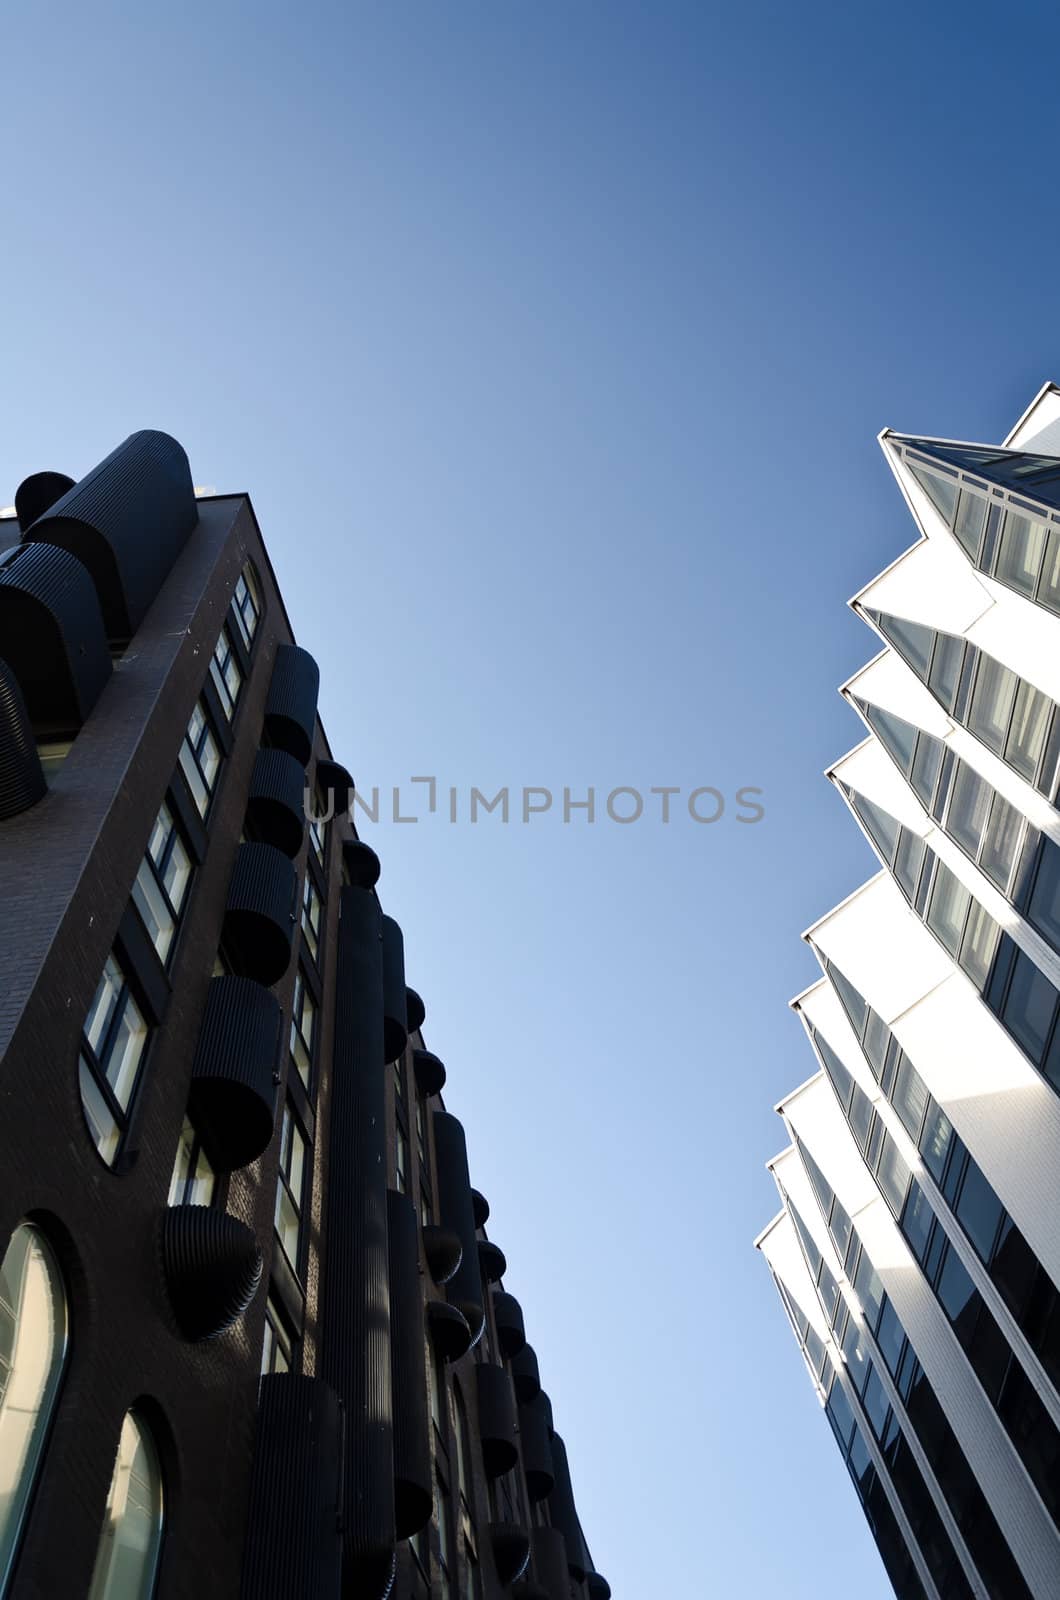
x=253 y=1336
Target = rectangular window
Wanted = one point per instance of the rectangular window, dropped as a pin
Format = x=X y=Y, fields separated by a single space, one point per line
x=946 y=667
x=200 y=759
x=968 y=808
x=1003 y=836
x=981 y=935
x=909 y=861
x=936 y=1140
x=893 y=1176
x=162 y=882
x=289 y=1187
x=1019 y=559
x=1027 y=734
x=1029 y=1007
x=1043 y=910
x=193 y=1182
x=246 y=606
x=970 y=521
x=979 y=1211
x=948 y=908
x=317 y=828
x=303 y=1030
x=445 y=1548
x=312 y=911
x=277 y=1349
x=401 y=1160
x=925 y=773
x=226 y=673
x=992 y=702
x=112 y=1045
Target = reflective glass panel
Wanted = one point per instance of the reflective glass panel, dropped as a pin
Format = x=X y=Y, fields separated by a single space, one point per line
x=132 y=1525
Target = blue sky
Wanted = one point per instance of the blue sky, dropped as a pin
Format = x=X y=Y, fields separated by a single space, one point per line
x=558 y=336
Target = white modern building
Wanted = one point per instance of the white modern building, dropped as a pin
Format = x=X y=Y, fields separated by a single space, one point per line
x=917 y=1248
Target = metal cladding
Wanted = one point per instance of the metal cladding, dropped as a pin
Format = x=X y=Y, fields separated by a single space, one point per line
x=53 y=635
x=416 y=1010
x=333 y=780
x=481 y=1207
x=259 y=913
x=537 y=1450
x=127 y=521
x=496 y=1419
x=361 y=863
x=291 y=706
x=413 y=1492
x=508 y=1316
x=21 y=774
x=355 y=1317
x=395 y=1015
x=443 y=1250
x=598 y=1587
x=37 y=494
x=276 y=801
x=212 y=1267
x=232 y=1098
x=447 y=1326
x=492 y=1261
x=525 y=1375
x=549 y=1550
x=429 y=1073
x=293 y=1548
x=464 y=1288
x=511 y=1550
x=564 y=1514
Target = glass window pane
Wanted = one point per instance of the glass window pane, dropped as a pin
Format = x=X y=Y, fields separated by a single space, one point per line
x=1020 y=555
x=123 y=1056
x=869 y=1290
x=132 y=1524
x=101 y=1124
x=182 y=1164
x=1044 y=908
x=150 y=903
x=925 y=774
x=1049 y=586
x=860 y=1117
x=935 y=1141
x=880 y=826
x=909 y=1098
x=890 y=1337
x=287 y=1223
x=979 y=1211
x=909 y=861
x=942 y=492
x=917 y=1220
x=203 y=1182
x=992 y=700
x=33 y=1333
x=1029 y=1006
x=877 y=1405
x=209 y=757
x=981 y=935
x=1001 y=843
x=156 y=845
x=106 y=998
x=955 y=1291
x=946 y=668
x=190 y=768
x=1030 y=725
x=893 y=1176
x=177 y=874
x=948 y=908
x=877 y=1038
x=296 y=1162
x=969 y=803
x=970 y=522
x=897 y=737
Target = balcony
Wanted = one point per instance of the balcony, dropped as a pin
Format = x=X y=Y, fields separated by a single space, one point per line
x=508 y=1316
x=276 y=801
x=232 y=1099
x=21 y=774
x=496 y=1419
x=53 y=636
x=291 y=706
x=534 y=1421
x=443 y=1251
x=511 y=1550
x=395 y=1010
x=293 y=1544
x=429 y=1073
x=212 y=1268
x=259 y=915
x=413 y=1485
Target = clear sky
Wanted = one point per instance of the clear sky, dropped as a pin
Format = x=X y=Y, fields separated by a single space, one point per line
x=556 y=337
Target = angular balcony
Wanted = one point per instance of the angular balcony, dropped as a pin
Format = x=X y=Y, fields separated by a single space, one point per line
x=511 y=1550
x=127 y=521
x=212 y=1268
x=259 y=914
x=496 y=1419
x=534 y=1419
x=53 y=636
x=429 y=1073
x=232 y=1098
x=395 y=1010
x=276 y=801
x=508 y=1316
x=291 y=705
x=293 y=1544
x=443 y=1251
x=413 y=1479
x=21 y=774
x=525 y=1375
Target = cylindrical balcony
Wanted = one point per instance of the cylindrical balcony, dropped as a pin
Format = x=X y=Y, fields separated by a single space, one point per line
x=291 y=705
x=395 y=1015
x=598 y=1587
x=355 y=1320
x=525 y=1375
x=511 y=1550
x=293 y=1546
x=335 y=785
x=464 y=1288
x=549 y=1554
x=361 y=863
x=443 y=1250
x=448 y=1330
x=492 y=1261
x=21 y=774
x=276 y=801
x=508 y=1316
x=37 y=494
x=212 y=1268
x=565 y=1515
x=496 y=1419
x=232 y=1099
x=415 y=1010
x=127 y=521
x=429 y=1073
x=259 y=914
x=536 y=1448
x=413 y=1491
x=52 y=633
x=480 y=1207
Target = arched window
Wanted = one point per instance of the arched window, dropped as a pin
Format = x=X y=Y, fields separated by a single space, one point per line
x=127 y=1562
x=33 y=1329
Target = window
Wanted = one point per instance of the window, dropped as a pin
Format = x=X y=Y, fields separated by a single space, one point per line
x=1025 y=745
x=289 y=1187
x=992 y=702
x=948 y=908
x=200 y=759
x=129 y=1545
x=303 y=1029
x=246 y=605
x=33 y=1342
x=193 y=1182
x=112 y=1046
x=1043 y=909
x=162 y=882
x=401 y=1159
x=311 y=914
x=318 y=827
x=1020 y=555
x=226 y=673
x=1029 y=1006
x=276 y=1350
x=969 y=805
